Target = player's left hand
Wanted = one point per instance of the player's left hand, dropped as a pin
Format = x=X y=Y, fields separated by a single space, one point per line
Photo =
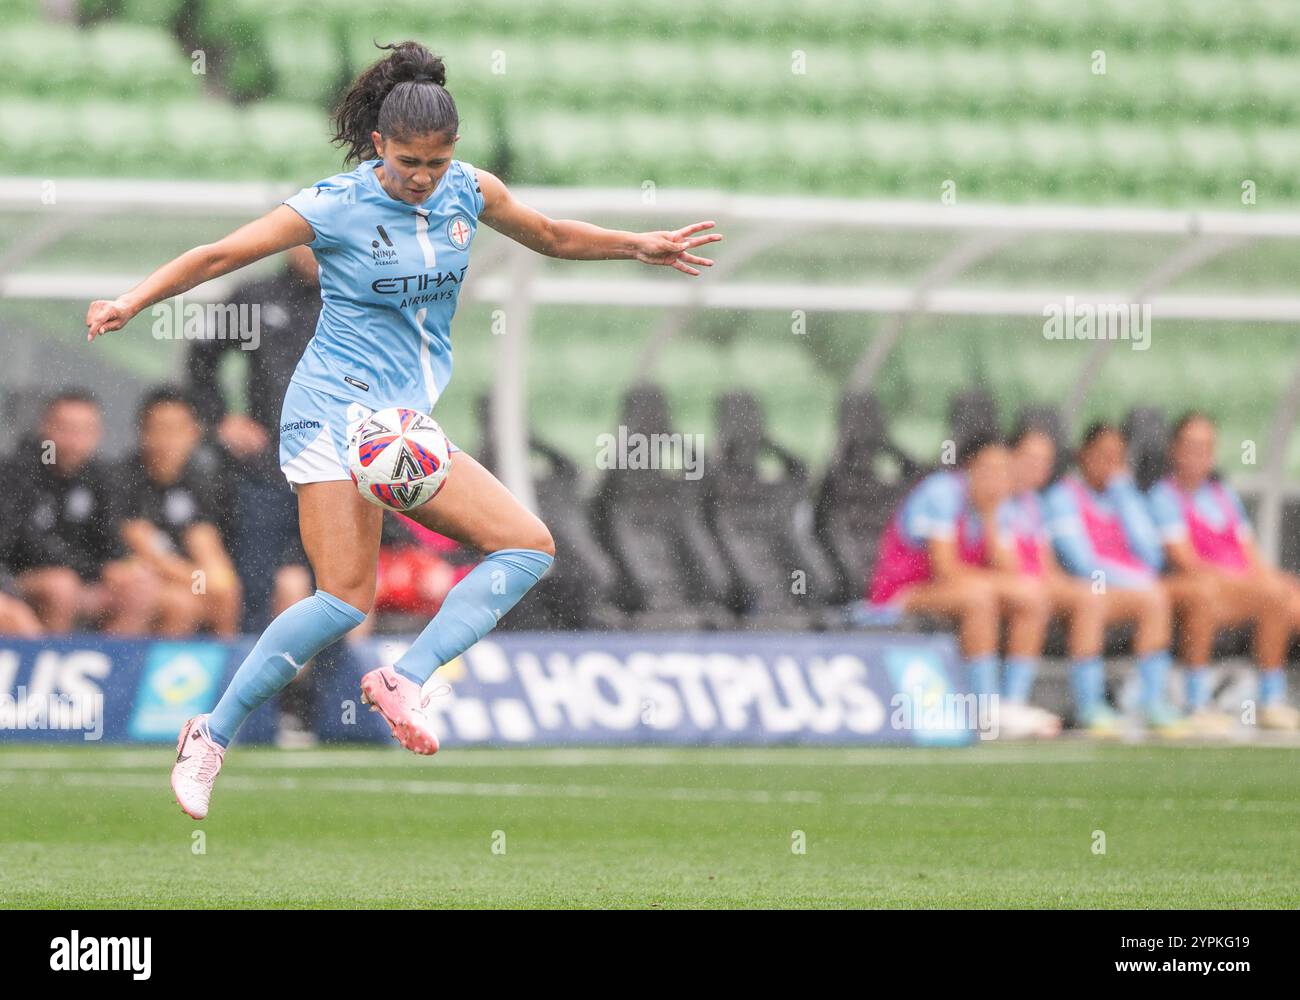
x=670 y=248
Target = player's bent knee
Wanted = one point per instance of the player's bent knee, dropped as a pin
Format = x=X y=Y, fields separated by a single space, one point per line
x=544 y=542
x=56 y=585
x=538 y=538
x=977 y=601
x=363 y=601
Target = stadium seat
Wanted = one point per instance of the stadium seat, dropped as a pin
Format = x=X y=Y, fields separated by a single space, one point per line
x=779 y=579
x=971 y=411
x=577 y=592
x=671 y=575
x=1147 y=432
x=865 y=480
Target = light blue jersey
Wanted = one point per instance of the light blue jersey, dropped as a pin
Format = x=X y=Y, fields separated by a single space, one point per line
x=390 y=276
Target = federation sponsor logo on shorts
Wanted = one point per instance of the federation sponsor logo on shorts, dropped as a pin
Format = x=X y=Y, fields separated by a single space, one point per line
x=298 y=426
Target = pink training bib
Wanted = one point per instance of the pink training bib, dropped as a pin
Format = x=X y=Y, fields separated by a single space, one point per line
x=1219 y=547
x=899 y=566
x=1105 y=531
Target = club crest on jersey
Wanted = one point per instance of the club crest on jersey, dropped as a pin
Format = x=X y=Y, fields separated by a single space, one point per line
x=458 y=232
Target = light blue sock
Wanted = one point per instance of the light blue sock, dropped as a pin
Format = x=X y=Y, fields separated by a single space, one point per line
x=297 y=634
x=984 y=674
x=1197 y=688
x=1272 y=686
x=1021 y=671
x=1088 y=679
x=1153 y=668
x=472 y=609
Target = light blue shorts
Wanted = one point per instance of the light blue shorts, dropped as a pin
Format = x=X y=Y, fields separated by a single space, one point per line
x=314 y=431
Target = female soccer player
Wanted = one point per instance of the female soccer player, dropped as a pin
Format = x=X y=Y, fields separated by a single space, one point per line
x=945 y=553
x=1103 y=532
x=1207 y=537
x=1033 y=456
x=392 y=237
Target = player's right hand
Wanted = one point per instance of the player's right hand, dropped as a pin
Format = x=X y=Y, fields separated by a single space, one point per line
x=104 y=316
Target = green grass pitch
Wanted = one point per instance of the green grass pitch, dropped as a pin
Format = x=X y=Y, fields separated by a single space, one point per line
x=988 y=826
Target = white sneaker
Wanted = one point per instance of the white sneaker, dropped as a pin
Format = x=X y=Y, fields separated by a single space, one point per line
x=1208 y=723
x=1019 y=721
x=1279 y=716
x=198 y=761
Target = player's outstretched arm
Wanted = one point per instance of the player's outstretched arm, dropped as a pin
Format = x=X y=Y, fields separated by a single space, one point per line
x=279 y=229
x=569 y=239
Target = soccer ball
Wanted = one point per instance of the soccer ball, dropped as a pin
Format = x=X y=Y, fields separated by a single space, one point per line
x=398 y=458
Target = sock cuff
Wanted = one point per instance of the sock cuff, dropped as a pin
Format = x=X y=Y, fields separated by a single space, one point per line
x=531 y=561
x=342 y=607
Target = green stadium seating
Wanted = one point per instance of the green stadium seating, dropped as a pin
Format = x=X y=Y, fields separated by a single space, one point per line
x=110 y=59
x=306 y=62
x=895 y=96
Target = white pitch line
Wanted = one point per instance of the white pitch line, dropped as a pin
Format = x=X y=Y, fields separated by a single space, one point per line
x=941 y=801
x=249 y=783
x=264 y=758
x=252 y=783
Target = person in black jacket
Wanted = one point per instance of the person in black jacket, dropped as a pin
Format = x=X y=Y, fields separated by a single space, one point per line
x=169 y=504
x=63 y=545
x=16 y=617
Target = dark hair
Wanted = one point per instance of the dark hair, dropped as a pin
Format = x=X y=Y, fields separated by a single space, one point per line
x=975 y=442
x=1190 y=417
x=1026 y=426
x=160 y=396
x=73 y=395
x=1097 y=429
x=404 y=94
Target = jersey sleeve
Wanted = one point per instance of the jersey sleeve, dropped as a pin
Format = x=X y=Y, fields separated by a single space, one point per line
x=325 y=206
x=1069 y=537
x=932 y=514
x=1167 y=513
x=471 y=173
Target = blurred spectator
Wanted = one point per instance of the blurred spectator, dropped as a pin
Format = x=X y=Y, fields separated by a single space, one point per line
x=169 y=520
x=63 y=545
x=1207 y=537
x=944 y=553
x=1102 y=530
x=261 y=524
x=1033 y=459
x=16 y=617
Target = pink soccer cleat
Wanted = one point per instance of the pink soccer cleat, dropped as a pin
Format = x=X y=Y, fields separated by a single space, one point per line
x=402 y=704
x=198 y=760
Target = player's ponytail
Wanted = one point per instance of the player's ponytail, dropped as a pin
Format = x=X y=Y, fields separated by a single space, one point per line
x=404 y=94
